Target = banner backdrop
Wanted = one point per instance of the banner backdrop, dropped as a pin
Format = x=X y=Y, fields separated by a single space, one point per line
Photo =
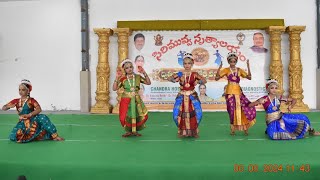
x=160 y=53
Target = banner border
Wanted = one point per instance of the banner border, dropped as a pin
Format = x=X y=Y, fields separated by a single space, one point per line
x=222 y=24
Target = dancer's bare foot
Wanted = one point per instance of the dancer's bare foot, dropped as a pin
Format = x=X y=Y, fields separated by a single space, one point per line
x=58 y=138
x=196 y=136
x=312 y=132
x=232 y=129
x=127 y=134
x=137 y=134
x=246 y=133
x=316 y=133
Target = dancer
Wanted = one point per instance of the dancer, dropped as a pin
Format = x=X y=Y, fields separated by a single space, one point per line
x=32 y=125
x=282 y=126
x=132 y=112
x=218 y=58
x=241 y=116
x=187 y=111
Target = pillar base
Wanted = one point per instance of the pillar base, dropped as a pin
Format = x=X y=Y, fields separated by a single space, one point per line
x=301 y=108
x=101 y=110
x=115 y=110
x=296 y=108
x=85 y=91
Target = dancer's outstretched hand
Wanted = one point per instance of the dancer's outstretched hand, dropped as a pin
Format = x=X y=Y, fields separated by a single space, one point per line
x=119 y=73
x=141 y=70
x=262 y=101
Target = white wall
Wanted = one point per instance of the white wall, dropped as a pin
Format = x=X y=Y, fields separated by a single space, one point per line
x=44 y=36
x=106 y=14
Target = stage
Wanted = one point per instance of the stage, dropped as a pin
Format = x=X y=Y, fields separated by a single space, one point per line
x=94 y=149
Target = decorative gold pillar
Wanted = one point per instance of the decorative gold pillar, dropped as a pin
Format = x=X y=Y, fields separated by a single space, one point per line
x=295 y=68
x=123 y=53
x=276 y=67
x=103 y=72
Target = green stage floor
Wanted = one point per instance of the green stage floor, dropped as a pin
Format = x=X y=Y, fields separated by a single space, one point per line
x=94 y=149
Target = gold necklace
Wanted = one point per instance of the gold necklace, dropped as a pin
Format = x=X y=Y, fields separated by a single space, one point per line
x=21 y=105
x=185 y=78
x=274 y=106
x=234 y=73
x=133 y=83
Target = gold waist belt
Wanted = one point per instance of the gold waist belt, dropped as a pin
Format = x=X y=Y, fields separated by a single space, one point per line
x=130 y=93
x=187 y=93
x=273 y=116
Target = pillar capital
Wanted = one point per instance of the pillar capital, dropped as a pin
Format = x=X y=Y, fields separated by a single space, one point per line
x=122 y=31
x=296 y=29
x=276 y=29
x=103 y=32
